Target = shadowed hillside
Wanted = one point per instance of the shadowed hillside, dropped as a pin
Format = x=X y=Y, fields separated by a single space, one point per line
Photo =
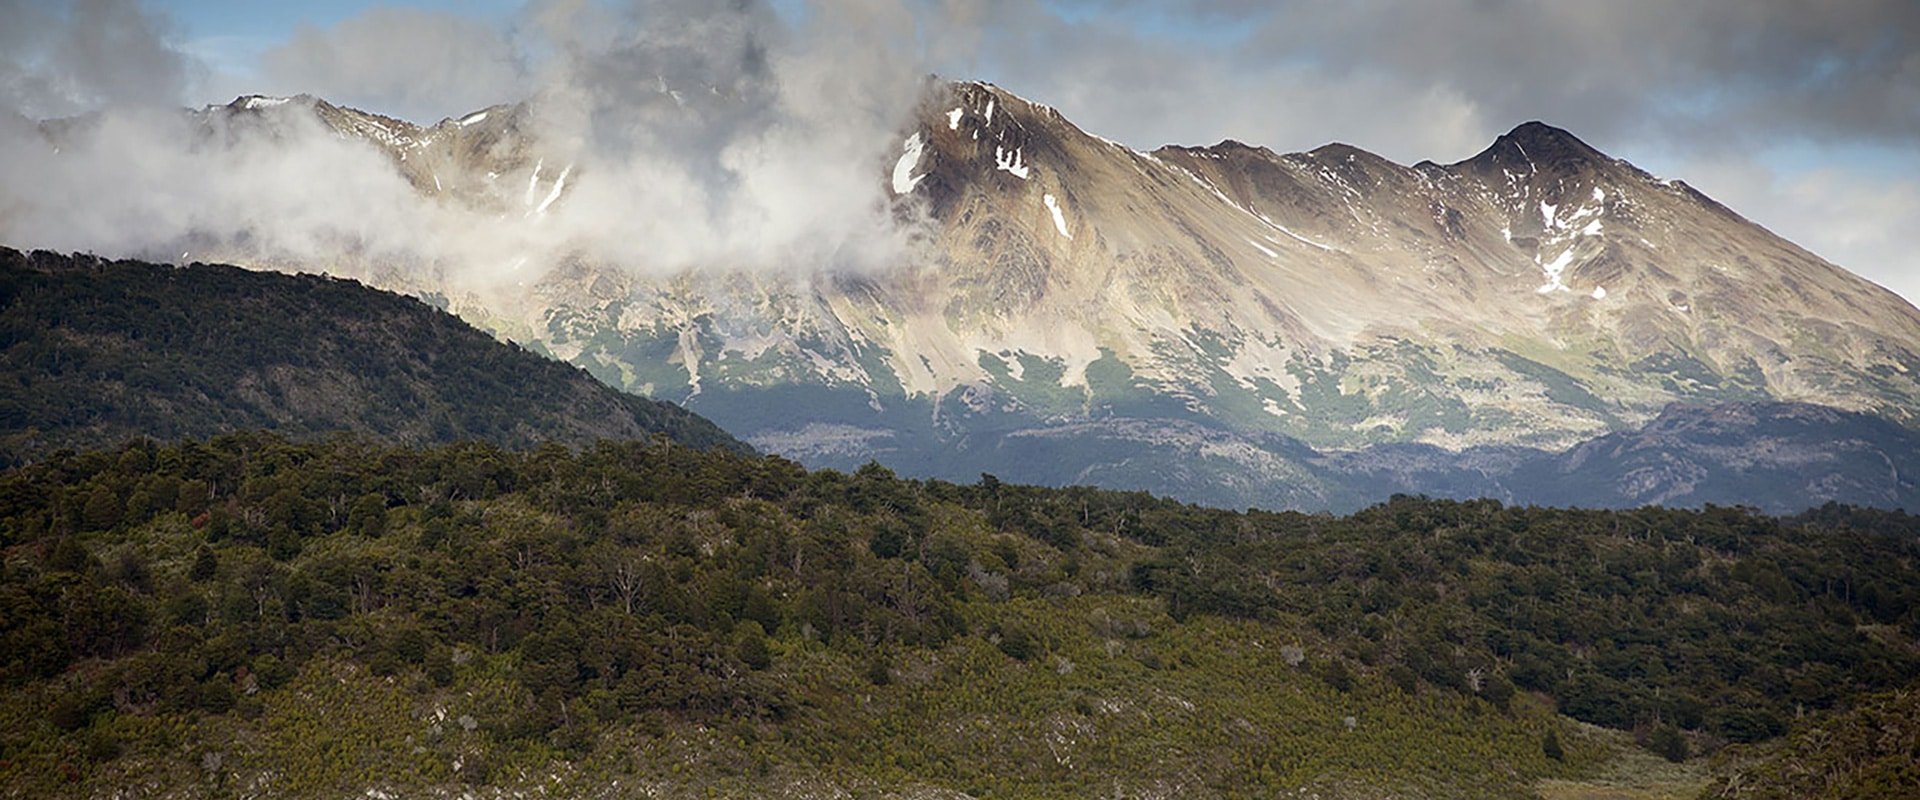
x=95 y=351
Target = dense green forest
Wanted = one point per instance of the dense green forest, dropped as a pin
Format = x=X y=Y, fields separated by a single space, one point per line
x=95 y=351
x=263 y=615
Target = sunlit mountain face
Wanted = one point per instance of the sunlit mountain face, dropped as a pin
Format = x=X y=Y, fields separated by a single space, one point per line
x=1020 y=297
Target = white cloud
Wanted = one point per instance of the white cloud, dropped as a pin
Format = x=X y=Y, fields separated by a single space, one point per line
x=783 y=118
x=1858 y=219
x=63 y=58
x=1705 y=85
x=694 y=134
x=411 y=63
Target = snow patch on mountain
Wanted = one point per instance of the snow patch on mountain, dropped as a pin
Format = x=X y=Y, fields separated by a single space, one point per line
x=903 y=178
x=1553 y=272
x=559 y=185
x=1289 y=232
x=1059 y=220
x=688 y=354
x=1010 y=161
x=533 y=182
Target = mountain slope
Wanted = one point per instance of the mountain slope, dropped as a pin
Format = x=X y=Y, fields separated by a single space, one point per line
x=1779 y=457
x=1067 y=294
x=1183 y=320
x=1330 y=296
x=96 y=351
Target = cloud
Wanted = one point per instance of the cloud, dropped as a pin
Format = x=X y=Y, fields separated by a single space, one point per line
x=123 y=170
x=716 y=133
x=1856 y=218
x=1697 y=71
x=689 y=134
x=1149 y=92
x=1696 y=87
x=59 y=60
x=416 y=64
x=1711 y=75
x=154 y=183
x=729 y=133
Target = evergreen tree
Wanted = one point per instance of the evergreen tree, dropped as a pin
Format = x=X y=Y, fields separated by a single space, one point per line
x=1667 y=742
x=102 y=510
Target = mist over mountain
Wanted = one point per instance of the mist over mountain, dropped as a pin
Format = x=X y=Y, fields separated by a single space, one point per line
x=671 y=398
x=717 y=135
x=1217 y=323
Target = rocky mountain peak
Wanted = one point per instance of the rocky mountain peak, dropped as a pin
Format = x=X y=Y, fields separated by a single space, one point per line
x=1536 y=148
x=1224 y=297
x=1541 y=136
x=259 y=102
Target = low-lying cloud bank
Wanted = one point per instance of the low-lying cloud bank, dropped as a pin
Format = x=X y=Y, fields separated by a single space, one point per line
x=690 y=134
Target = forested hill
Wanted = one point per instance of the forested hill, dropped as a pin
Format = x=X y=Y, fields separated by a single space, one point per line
x=95 y=351
x=259 y=617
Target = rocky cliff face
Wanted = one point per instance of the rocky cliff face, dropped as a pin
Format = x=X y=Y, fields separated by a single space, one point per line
x=1185 y=319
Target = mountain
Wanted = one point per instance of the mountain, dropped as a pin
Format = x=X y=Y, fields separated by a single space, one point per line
x=99 y=351
x=1777 y=457
x=96 y=351
x=1774 y=456
x=1197 y=321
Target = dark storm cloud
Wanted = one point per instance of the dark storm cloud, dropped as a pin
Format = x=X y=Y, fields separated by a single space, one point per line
x=1152 y=74
x=1743 y=98
x=1842 y=68
x=1692 y=74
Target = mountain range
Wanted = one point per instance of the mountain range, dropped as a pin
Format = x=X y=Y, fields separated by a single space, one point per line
x=249 y=544
x=1222 y=324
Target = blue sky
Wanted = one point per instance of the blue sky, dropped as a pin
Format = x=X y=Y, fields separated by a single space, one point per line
x=273 y=20
x=1802 y=116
